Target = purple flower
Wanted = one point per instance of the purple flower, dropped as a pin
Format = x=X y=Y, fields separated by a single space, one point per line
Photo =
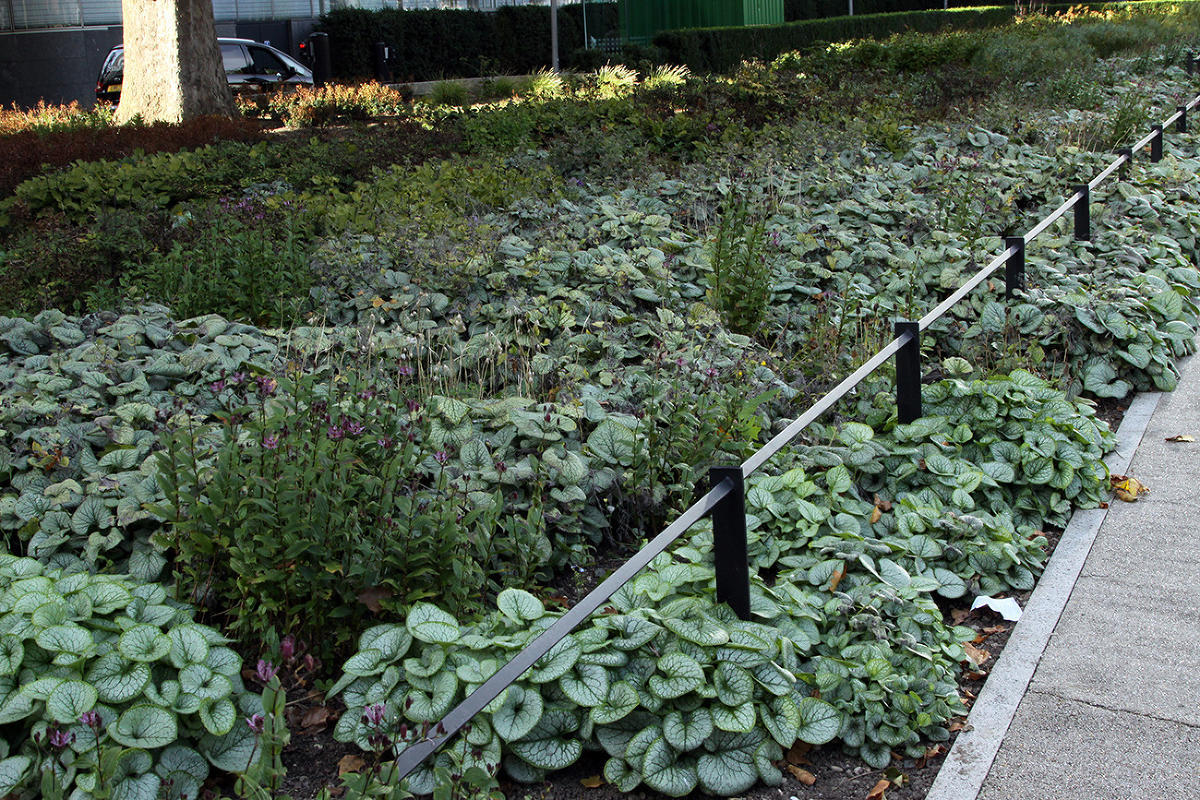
x=217 y=386
x=237 y=378
x=265 y=670
x=335 y=433
x=413 y=406
x=287 y=647
x=256 y=723
x=366 y=394
x=405 y=371
x=270 y=442
x=711 y=372
x=91 y=719
x=386 y=442
x=266 y=385
x=352 y=427
x=441 y=457
x=60 y=740
x=374 y=714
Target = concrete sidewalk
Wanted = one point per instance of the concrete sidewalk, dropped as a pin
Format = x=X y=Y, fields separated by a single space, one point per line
x=1097 y=693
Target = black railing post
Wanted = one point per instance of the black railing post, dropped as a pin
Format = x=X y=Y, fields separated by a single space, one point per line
x=908 y=373
x=1128 y=153
x=1083 y=214
x=1181 y=123
x=729 y=541
x=1191 y=62
x=1014 y=267
x=1156 y=144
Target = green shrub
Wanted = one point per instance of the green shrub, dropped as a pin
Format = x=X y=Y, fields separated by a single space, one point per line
x=246 y=258
x=107 y=689
x=740 y=282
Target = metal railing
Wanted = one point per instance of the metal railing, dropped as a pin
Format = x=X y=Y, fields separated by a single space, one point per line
x=725 y=499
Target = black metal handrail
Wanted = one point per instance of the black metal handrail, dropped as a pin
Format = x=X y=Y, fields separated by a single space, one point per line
x=725 y=500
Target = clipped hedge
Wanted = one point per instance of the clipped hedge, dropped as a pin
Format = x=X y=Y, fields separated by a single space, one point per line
x=721 y=49
x=795 y=10
x=430 y=45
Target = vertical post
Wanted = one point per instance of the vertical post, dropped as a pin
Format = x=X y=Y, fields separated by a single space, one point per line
x=554 y=35
x=1124 y=170
x=1156 y=144
x=1181 y=123
x=908 y=373
x=382 y=73
x=1014 y=267
x=729 y=541
x=583 y=8
x=1191 y=62
x=322 y=65
x=850 y=13
x=1083 y=214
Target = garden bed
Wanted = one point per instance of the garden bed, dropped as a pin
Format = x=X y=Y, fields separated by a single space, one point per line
x=391 y=421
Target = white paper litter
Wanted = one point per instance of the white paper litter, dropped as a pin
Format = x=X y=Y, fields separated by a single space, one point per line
x=1004 y=606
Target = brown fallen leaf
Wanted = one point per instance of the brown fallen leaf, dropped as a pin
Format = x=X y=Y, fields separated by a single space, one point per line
x=802 y=775
x=1183 y=437
x=881 y=504
x=990 y=629
x=876 y=514
x=315 y=717
x=958 y=615
x=928 y=756
x=837 y=578
x=959 y=724
x=350 y=763
x=1127 y=488
x=977 y=675
x=978 y=655
x=798 y=754
x=371 y=597
x=877 y=793
x=592 y=781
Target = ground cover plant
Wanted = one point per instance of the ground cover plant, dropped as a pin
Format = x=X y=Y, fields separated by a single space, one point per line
x=388 y=407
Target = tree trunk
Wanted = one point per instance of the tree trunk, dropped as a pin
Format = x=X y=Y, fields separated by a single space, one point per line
x=173 y=67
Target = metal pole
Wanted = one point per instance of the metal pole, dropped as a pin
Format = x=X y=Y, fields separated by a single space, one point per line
x=851 y=8
x=322 y=66
x=908 y=373
x=1083 y=214
x=1156 y=144
x=1014 y=267
x=729 y=541
x=382 y=73
x=586 y=42
x=554 y=35
x=1181 y=123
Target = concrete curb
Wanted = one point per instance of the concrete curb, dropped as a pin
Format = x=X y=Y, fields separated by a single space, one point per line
x=966 y=767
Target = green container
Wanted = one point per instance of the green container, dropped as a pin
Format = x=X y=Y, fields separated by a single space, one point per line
x=642 y=19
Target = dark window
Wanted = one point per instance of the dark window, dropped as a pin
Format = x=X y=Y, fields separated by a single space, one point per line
x=267 y=63
x=235 y=58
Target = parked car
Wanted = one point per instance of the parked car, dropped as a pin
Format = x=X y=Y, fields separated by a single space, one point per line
x=249 y=67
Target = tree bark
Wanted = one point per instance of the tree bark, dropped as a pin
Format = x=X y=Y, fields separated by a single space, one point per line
x=173 y=67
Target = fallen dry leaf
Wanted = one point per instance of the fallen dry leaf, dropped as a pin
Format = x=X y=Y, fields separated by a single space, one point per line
x=1183 y=437
x=315 y=717
x=976 y=675
x=978 y=655
x=928 y=756
x=875 y=515
x=1127 y=488
x=371 y=597
x=837 y=578
x=959 y=724
x=958 y=615
x=877 y=793
x=802 y=775
x=990 y=629
x=593 y=781
x=798 y=754
x=350 y=763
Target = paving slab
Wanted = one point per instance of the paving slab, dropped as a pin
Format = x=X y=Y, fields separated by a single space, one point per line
x=1126 y=652
x=1069 y=750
